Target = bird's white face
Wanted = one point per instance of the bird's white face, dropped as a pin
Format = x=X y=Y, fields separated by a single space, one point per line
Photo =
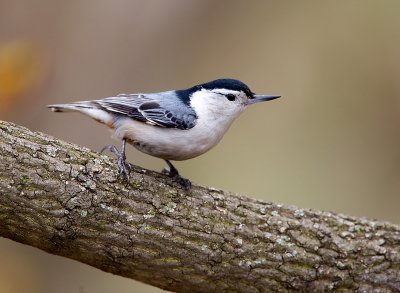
x=220 y=105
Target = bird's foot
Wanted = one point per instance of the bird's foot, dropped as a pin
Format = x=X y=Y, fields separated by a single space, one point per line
x=185 y=183
x=174 y=174
x=123 y=167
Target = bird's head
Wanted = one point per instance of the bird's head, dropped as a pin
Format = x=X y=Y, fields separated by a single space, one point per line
x=223 y=98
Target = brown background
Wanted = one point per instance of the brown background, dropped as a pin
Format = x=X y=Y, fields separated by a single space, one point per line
x=332 y=142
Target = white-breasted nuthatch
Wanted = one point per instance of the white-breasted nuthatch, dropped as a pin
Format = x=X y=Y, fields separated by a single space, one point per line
x=172 y=125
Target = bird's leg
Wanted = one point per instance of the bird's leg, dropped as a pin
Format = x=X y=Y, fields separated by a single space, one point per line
x=174 y=174
x=122 y=165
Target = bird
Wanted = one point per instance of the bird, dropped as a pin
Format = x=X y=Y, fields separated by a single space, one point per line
x=172 y=125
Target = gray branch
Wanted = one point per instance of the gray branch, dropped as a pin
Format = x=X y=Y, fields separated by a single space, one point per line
x=69 y=201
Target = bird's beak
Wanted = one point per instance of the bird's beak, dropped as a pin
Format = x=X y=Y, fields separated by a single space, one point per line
x=261 y=98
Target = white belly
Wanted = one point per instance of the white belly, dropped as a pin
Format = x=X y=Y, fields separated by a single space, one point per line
x=171 y=143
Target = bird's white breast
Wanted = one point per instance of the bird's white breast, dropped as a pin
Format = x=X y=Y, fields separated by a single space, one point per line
x=170 y=143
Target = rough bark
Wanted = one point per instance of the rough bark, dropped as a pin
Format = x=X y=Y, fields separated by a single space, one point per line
x=69 y=201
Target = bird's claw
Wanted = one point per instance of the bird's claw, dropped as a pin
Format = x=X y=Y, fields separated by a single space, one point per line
x=185 y=183
x=123 y=167
x=175 y=176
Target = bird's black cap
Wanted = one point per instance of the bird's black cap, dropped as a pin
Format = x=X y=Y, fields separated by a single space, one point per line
x=229 y=84
x=223 y=83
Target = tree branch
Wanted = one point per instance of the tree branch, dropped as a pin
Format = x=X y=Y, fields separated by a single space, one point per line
x=69 y=201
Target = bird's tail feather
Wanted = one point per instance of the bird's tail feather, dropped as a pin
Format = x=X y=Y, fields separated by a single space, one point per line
x=78 y=106
x=89 y=108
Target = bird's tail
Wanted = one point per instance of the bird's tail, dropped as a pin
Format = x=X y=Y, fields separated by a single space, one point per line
x=72 y=107
x=89 y=108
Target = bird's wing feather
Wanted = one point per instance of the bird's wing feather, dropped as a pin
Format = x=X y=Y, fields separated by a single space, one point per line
x=149 y=109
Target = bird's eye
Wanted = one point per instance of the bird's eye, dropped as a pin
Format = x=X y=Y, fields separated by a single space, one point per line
x=230 y=97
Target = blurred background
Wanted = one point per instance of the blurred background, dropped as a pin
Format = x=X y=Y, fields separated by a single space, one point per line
x=331 y=143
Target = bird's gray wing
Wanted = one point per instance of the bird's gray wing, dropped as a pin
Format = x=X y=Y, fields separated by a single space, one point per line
x=152 y=109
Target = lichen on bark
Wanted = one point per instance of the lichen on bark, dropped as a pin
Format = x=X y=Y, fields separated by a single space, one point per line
x=69 y=201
